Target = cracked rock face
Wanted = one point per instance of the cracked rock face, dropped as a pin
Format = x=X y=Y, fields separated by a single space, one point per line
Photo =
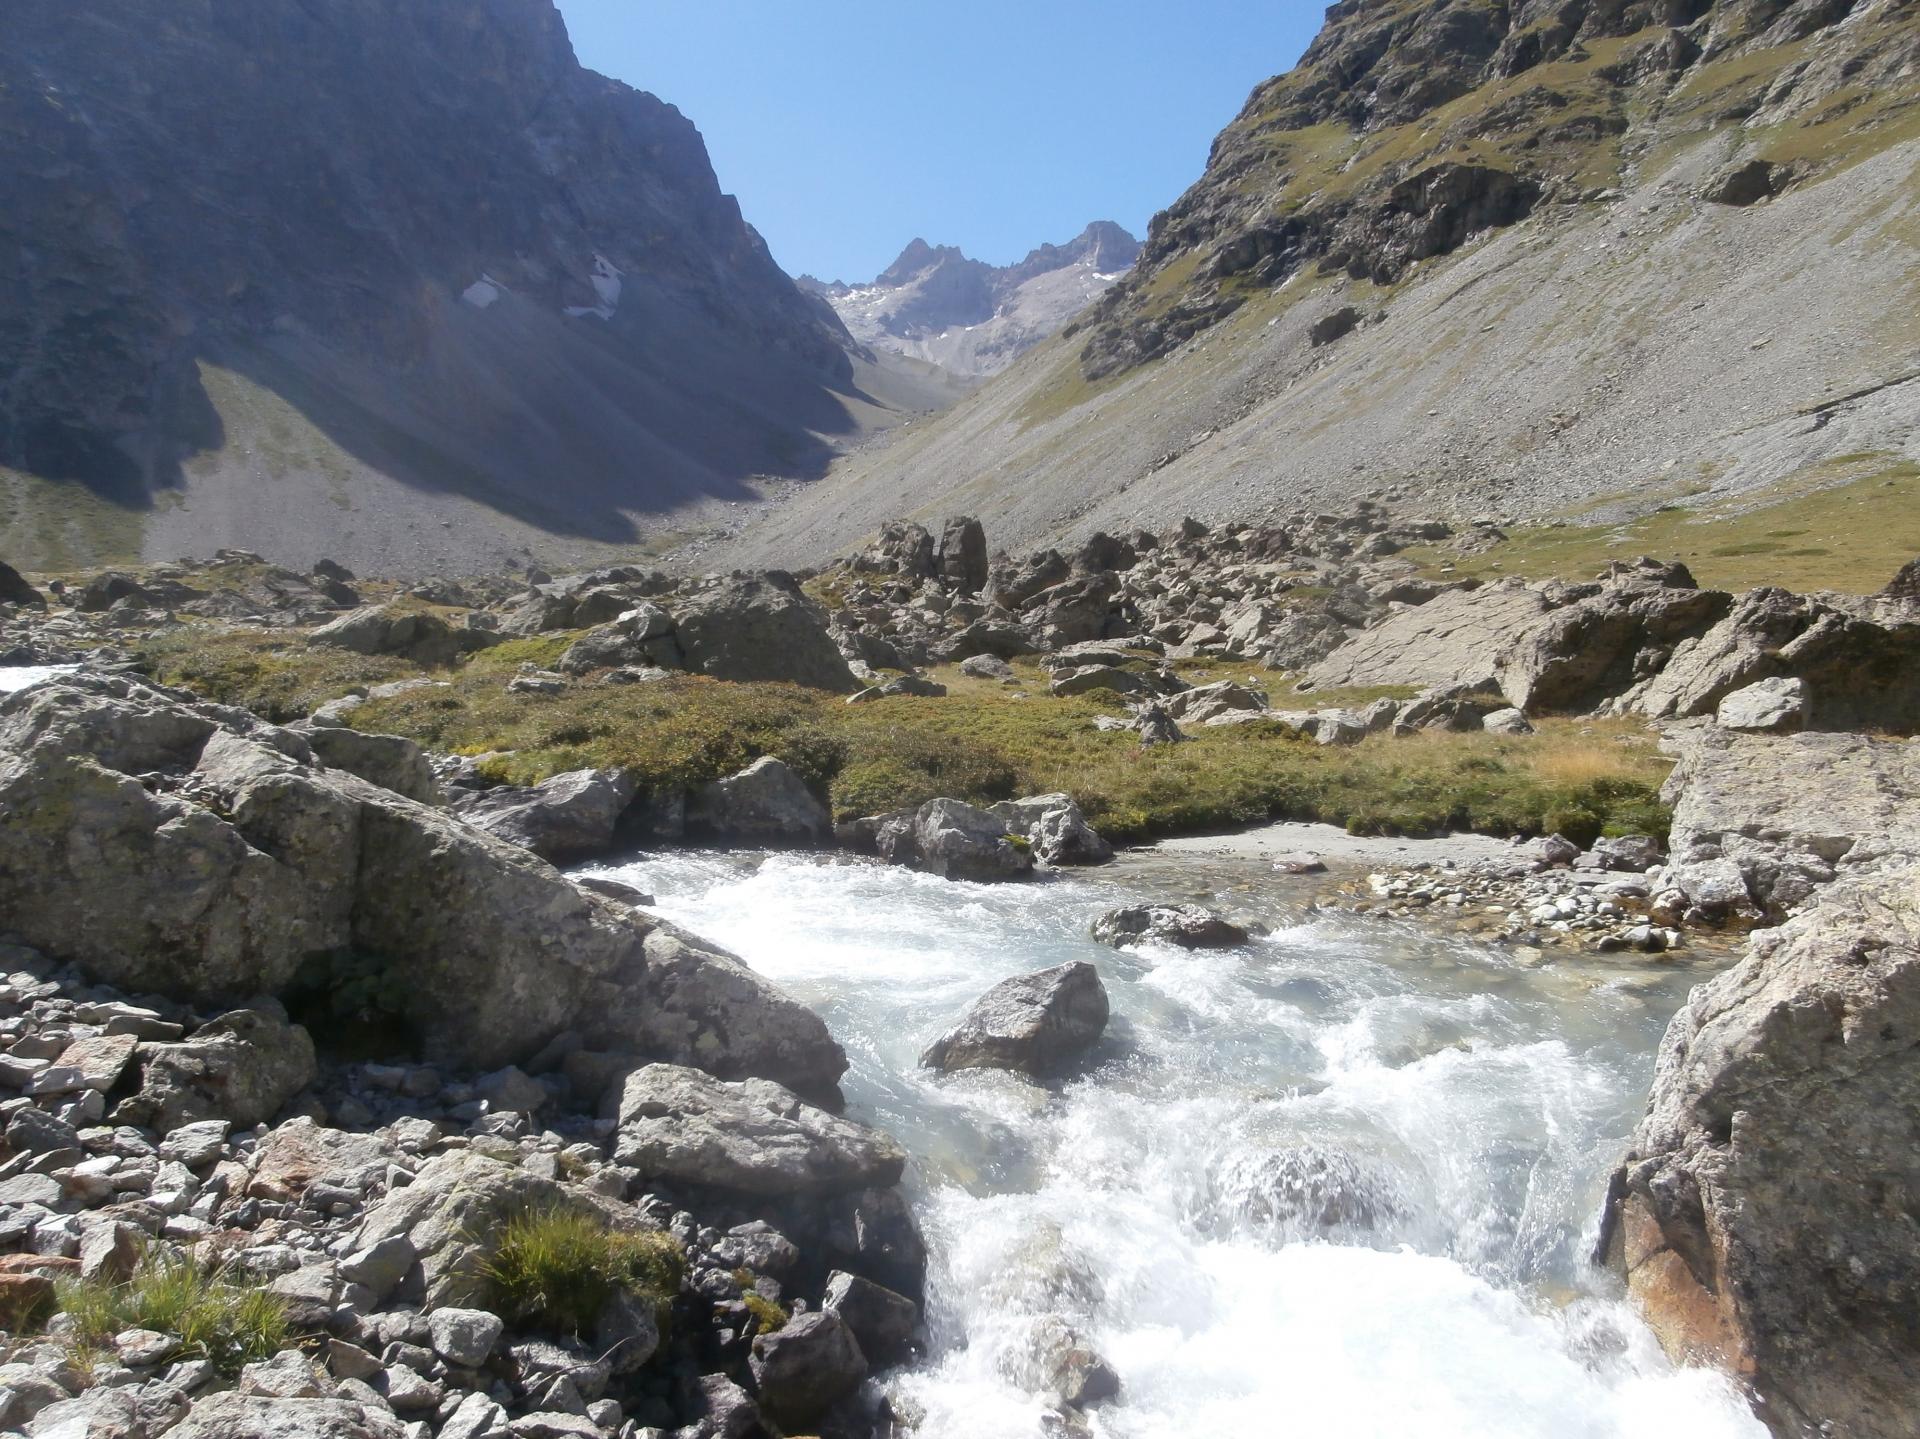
x=1761 y=1218
x=237 y=862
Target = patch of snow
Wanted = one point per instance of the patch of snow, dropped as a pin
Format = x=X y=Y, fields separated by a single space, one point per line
x=483 y=292
x=606 y=284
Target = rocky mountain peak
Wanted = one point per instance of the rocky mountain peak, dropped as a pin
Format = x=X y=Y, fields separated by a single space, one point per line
x=936 y=303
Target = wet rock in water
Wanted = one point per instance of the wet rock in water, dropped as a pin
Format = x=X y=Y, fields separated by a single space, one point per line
x=1770 y=706
x=766 y=803
x=954 y=840
x=1188 y=925
x=1055 y=829
x=752 y=1137
x=804 y=1368
x=1033 y=1023
x=569 y=816
x=883 y=1322
x=1760 y=1218
x=1303 y=1191
x=1065 y=1366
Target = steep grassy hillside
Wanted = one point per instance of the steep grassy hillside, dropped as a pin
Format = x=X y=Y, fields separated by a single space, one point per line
x=1549 y=267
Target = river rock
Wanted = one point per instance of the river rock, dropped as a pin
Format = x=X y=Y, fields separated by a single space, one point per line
x=1769 y=706
x=249 y=859
x=766 y=803
x=1188 y=926
x=803 y=1368
x=1761 y=1217
x=1054 y=828
x=954 y=840
x=883 y=1322
x=1034 y=1023
x=750 y=1137
x=569 y=816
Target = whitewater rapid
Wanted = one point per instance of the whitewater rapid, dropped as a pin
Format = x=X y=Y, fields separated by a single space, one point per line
x=1339 y=1183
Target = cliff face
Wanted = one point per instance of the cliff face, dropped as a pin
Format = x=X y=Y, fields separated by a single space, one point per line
x=974 y=319
x=422 y=227
x=1408 y=127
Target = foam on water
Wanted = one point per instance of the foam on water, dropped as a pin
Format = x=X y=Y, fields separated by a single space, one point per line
x=18 y=677
x=1341 y=1182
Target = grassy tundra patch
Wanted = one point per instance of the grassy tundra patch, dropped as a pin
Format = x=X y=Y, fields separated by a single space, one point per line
x=556 y=1268
x=1847 y=526
x=215 y=1320
x=981 y=742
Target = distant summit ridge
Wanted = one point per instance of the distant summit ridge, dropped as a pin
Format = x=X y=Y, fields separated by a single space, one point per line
x=975 y=319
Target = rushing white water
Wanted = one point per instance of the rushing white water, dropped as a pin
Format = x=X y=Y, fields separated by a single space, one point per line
x=1339 y=1183
x=18 y=677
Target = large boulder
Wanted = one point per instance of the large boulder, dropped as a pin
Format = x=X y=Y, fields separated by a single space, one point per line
x=760 y=627
x=1054 y=828
x=388 y=760
x=1588 y=651
x=1453 y=639
x=803 y=1368
x=570 y=816
x=1859 y=659
x=1034 y=1023
x=750 y=1137
x=1768 y=705
x=642 y=635
x=766 y=803
x=242 y=1067
x=1762 y=1217
x=395 y=629
x=1774 y=817
x=954 y=840
x=14 y=589
x=451 y=1217
x=233 y=861
x=962 y=555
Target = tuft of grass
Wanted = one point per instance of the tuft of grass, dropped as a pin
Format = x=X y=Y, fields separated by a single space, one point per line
x=770 y=1316
x=555 y=1268
x=224 y=1323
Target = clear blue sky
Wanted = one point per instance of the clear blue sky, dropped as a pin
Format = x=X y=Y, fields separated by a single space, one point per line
x=848 y=127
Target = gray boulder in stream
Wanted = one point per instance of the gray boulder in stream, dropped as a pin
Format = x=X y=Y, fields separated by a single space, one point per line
x=1763 y=1219
x=569 y=816
x=1033 y=1023
x=1187 y=926
x=752 y=1137
x=954 y=840
x=234 y=862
